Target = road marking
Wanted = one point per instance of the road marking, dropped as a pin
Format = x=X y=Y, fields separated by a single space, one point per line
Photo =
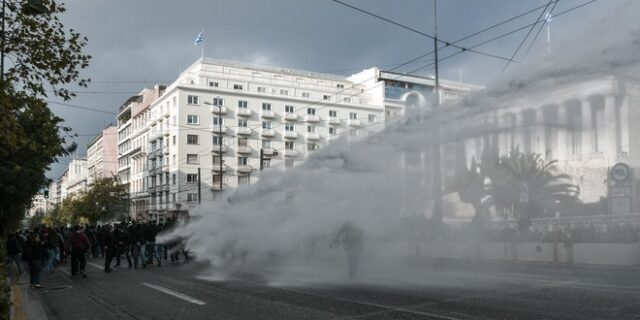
x=175 y=294
x=95 y=265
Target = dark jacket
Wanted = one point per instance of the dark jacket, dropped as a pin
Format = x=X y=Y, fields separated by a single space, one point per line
x=13 y=246
x=79 y=242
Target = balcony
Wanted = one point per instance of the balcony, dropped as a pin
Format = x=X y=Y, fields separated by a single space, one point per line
x=216 y=186
x=244 y=169
x=290 y=135
x=215 y=167
x=312 y=118
x=244 y=131
x=219 y=110
x=244 y=150
x=218 y=129
x=290 y=153
x=312 y=136
x=335 y=121
x=216 y=148
x=244 y=112
x=151 y=189
x=269 y=152
x=166 y=133
x=291 y=117
x=268 y=114
x=355 y=123
x=162 y=188
x=155 y=134
x=165 y=151
x=268 y=133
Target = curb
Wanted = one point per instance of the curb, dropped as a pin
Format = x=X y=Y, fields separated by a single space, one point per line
x=16 y=303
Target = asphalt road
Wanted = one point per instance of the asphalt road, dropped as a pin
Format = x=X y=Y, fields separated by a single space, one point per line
x=320 y=290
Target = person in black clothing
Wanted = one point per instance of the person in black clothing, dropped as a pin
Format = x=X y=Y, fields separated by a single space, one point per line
x=34 y=253
x=138 y=244
x=110 y=246
x=14 y=251
x=124 y=245
x=352 y=241
x=151 y=231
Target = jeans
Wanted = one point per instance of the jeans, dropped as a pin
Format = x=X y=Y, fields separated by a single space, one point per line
x=139 y=253
x=35 y=270
x=152 y=247
x=51 y=255
x=15 y=258
x=78 y=262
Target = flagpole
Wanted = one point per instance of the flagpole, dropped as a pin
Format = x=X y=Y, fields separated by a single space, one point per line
x=202 y=49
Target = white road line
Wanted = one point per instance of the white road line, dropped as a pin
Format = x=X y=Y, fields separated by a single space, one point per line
x=175 y=294
x=95 y=265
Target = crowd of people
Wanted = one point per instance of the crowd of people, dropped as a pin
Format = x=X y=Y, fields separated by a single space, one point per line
x=41 y=249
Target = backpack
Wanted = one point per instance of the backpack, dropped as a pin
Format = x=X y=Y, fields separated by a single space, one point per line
x=78 y=242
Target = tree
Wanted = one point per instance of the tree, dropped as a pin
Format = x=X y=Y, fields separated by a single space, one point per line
x=106 y=199
x=522 y=187
x=43 y=60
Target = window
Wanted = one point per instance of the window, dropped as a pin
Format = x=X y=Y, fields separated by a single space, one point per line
x=288 y=127
x=266 y=125
x=218 y=102
x=242 y=104
x=243 y=141
x=192 y=100
x=312 y=146
x=326 y=97
x=284 y=92
x=217 y=140
x=266 y=144
x=237 y=87
x=216 y=160
x=173 y=197
x=174 y=140
x=173 y=179
x=192 y=178
x=266 y=163
x=333 y=113
x=289 y=145
x=242 y=161
x=192 y=139
x=192 y=119
x=262 y=89
x=305 y=94
x=266 y=106
x=243 y=179
x=242 y=123
x=340 y=85
x=372 y=118
x=192 y=197
x=213 y=84
x=216 y=179
x=353 y=116
x=333 y=131
x=192 y=158
x=311 y=129
x=311 y=111
x=288 y=109
x=347 y=100
x=174 y=159
x=217 y=122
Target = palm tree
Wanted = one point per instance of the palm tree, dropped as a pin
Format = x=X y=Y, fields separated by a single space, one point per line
x=522 y=187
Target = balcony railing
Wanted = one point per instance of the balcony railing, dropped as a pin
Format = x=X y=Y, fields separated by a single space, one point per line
x=269 y=152
x=290 y=135
x=244 y=149
x=290 y=153
x=244 y=168
x=244 y=131
x=312 y=136
x=268 y=133
x=291 y=117
x=335 y=121
x=217 y=129
x=219 y=110
x=355 y=122
x=268 y=114
x=244 y=112
x=216 y=148
x=312 y=118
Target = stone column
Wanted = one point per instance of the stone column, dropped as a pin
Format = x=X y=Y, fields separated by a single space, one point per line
x=624 y=125
x=609 y=129
x=562 y=146
x=587 y=132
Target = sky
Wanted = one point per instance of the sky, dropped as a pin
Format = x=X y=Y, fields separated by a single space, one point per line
x=143 y=42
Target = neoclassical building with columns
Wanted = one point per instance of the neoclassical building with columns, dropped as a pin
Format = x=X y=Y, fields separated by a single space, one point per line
x=587 y=126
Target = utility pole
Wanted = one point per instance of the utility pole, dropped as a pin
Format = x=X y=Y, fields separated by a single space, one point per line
x=261 y=158
x=199 y=187
x=437 y=179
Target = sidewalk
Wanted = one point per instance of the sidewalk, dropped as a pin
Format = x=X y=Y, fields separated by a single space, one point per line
x=25 y=302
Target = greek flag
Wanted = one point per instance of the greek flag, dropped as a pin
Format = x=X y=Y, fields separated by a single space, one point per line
x=199 y=38
x=547 y=17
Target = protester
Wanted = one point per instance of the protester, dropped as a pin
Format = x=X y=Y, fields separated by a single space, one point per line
x=351 y=238
x=14 y=252
x=79 y=244
x=33 y=254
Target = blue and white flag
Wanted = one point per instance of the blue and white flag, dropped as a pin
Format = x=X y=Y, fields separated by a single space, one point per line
x=548 y=17
x=199 y=38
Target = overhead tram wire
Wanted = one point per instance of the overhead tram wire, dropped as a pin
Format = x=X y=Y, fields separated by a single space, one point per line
x=511 y=32
x=539 y=30
x=446 y=43
x=526 y=37
x=467 y=37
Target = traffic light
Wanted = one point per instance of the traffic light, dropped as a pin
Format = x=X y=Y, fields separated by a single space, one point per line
x=46 y=193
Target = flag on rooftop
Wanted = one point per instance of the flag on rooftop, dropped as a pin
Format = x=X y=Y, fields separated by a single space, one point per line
x=199 y=38
x=547 y=17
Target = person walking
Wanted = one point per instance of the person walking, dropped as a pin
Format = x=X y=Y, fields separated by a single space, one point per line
x=110 y=246
x=50 y=247
x=34 y=253
x=352 y=241
x=78 y=244
x=14 y=253
x=151 y=232
x=124 y=245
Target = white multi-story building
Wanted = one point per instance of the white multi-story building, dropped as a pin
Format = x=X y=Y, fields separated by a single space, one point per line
x=77 y=177
x=102 y=155
x=221 y=121
x=39 y=204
